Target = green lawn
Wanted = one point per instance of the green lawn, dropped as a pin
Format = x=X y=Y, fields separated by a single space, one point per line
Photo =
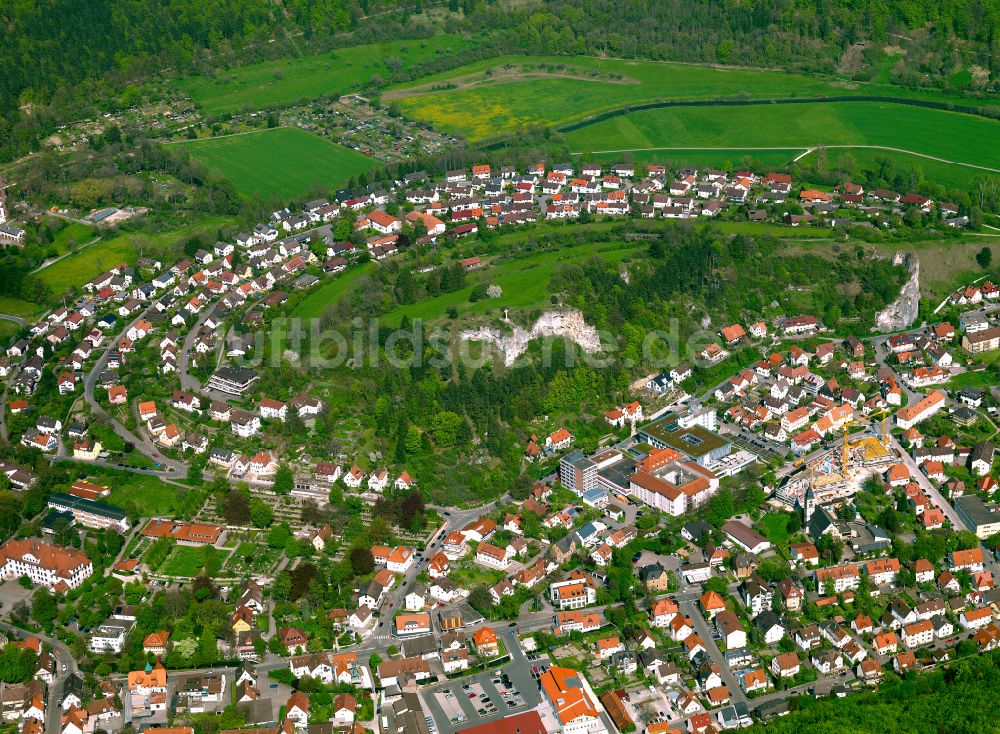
x=73 y=271
x=774 y=527
x=7 y=330
x=72 y=235
x=144 y=495
x=280 y=162
x=950 y=135
x=495 y=105
x=313 y=305
x=277 y=83
x=186 y=560
x=524 y=281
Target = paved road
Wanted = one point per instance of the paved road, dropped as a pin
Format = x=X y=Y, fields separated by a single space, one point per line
x=188 y=382
x=65 y=664
x=689 y=608
x=16 y=319
x=927 y=486
x=141 y=442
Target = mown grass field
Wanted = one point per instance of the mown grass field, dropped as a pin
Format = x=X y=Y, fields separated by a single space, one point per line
x=73 y=271
x=524 y=281
x=949 y=135
x=313 y=305
x=147 y=496
x=17 y=307
x=7 y=330
x=284 y=81
x=284 y=163
x=481 y=108
x=73 y=235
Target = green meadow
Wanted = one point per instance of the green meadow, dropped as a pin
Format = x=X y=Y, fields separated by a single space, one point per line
x=481 y=106
x=327 y=294
x=524 y=281
x=18 y=307
x=282 y=163
x=950 y=135
x=73 y=271
x=693 y=157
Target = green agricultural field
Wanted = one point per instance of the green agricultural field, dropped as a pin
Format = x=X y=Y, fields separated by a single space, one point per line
x=948 y=175
x=524 y=281
x=277 y=83
x=282 y=163
x=73 y=271
x=313 y=305
x=953 y=136
x=480 y=106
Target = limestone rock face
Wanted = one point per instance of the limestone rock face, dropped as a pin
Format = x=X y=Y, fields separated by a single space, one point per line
x=901 y=313
x=568 y=323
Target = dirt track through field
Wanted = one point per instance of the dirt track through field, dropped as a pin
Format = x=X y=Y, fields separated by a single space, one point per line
x=504 y=76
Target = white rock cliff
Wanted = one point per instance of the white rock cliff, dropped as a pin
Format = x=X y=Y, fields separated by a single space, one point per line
x=569 y=324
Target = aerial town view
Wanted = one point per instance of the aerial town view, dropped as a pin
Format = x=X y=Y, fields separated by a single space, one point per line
x=499 y=367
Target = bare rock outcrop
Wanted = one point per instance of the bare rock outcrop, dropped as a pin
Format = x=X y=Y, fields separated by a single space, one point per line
x=901 y=313
x=569 y=324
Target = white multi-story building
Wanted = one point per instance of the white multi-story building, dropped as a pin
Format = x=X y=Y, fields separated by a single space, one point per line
x=574 y=593
x=52 y=566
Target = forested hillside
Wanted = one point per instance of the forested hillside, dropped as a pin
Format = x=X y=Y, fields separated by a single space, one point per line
x=49 y=48
x=61 y=50
x=959 y=699
x=932 y=37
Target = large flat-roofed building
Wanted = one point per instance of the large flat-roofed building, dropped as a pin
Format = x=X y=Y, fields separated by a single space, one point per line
x=90 y=513
x=694 y=441
x=580 y=473
x=982 y=518
x=232 y=380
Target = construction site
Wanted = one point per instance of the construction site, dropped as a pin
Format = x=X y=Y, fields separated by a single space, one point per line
x=839 y=473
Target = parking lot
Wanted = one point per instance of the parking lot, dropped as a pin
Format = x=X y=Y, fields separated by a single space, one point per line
x=484 y=697
x=470 y=701
x=648 y=706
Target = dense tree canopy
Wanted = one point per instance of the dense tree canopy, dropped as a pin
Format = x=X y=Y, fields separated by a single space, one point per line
x=957 y=699
x=64 y=51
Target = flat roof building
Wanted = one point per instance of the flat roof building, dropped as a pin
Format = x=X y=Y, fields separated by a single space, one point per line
x=982 y=518
x=90 y=513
